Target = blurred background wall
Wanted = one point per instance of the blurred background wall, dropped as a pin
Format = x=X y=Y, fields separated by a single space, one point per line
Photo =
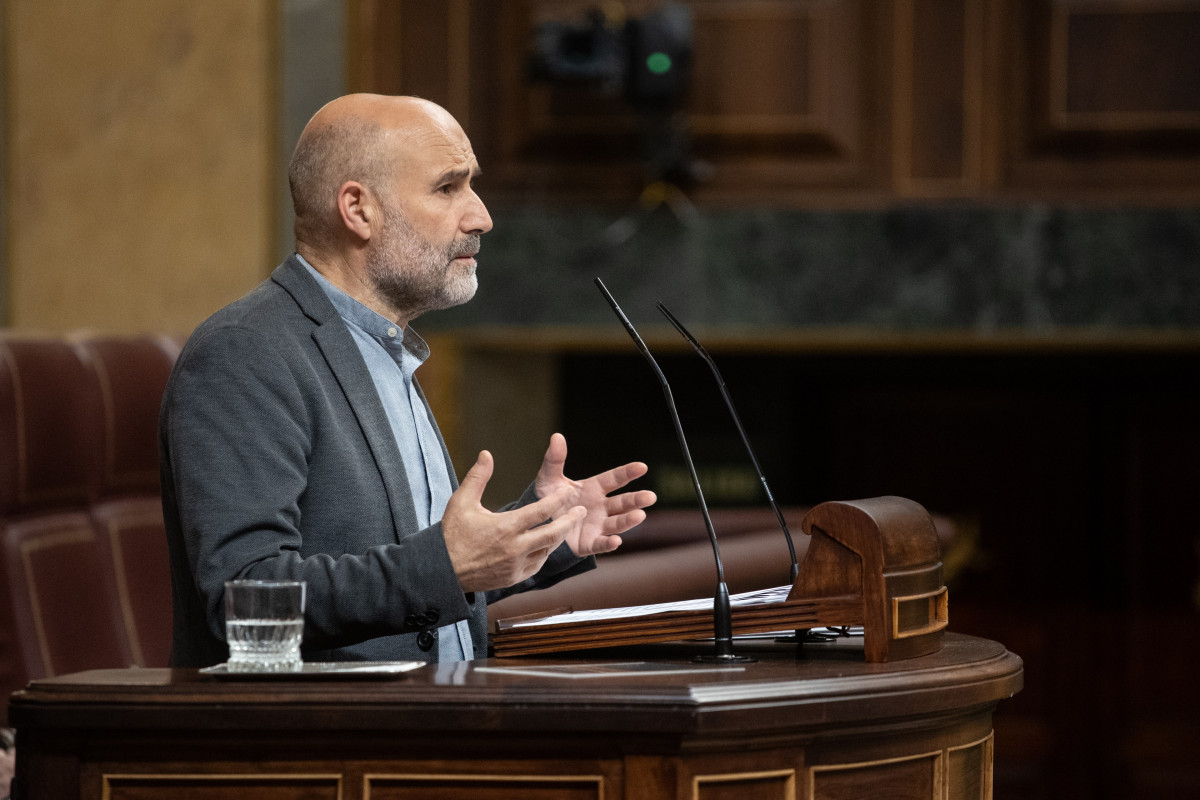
x=947 y=249
x=138 y=161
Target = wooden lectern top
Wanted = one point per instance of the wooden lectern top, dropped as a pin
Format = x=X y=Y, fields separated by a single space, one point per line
x=874 y=563
x=968 y=670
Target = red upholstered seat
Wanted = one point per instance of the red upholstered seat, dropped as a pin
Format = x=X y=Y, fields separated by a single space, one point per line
x=62 y=599
x=131 y=532
x=131 y=374
x=49 y=433
x=58 y=601
x=83 y=562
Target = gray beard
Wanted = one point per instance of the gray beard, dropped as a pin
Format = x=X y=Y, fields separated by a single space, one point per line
x=412 y=275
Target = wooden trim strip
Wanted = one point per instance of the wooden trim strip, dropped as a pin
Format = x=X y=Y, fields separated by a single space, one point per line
x=939 y=613
x=447 y=777
x=107 y=779
x=733 y=777
x=939 y=769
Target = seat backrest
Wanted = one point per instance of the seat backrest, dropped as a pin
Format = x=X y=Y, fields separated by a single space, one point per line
x=62 y=599
x=58 y=602
x=131 y=374
x=49 y=432
x=83 y=562
x=131 y=533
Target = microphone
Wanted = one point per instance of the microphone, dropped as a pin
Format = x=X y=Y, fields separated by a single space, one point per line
x=712 y=365
x=722 y=611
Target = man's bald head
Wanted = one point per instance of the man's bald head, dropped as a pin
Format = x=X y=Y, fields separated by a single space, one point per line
x=352 y=138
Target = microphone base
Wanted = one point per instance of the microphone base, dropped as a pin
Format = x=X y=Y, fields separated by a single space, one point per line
x=718 y=658
x=798 y=638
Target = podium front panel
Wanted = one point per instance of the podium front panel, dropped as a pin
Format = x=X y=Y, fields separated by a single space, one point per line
x=813 y=723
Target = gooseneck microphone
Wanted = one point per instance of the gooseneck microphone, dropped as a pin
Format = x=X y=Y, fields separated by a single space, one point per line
x=712 y=365
x=722 y=612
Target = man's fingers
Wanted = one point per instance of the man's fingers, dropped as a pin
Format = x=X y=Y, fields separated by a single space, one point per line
x=477 y=477
x=552 y=534
x=555 y=458
x=606 y=544
x=549 y=507
x=621 y=503
x=535 y=559
x=617 y=477
x=620 y=523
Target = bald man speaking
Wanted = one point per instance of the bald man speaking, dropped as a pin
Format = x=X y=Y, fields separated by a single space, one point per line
x=295 y=441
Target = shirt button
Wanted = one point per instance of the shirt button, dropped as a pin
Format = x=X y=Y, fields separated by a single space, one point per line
x=392 y=333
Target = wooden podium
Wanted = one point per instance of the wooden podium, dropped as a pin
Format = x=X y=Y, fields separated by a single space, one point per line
x=819 y=724
x=903 y=710
x=874 y=563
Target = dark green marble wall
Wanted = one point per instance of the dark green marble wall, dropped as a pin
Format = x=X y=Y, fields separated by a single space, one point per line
x=918 y=267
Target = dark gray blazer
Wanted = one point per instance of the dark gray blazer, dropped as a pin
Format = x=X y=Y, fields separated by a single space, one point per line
x=278 y=462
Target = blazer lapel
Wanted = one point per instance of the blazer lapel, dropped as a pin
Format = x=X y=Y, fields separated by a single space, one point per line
x=346 y=364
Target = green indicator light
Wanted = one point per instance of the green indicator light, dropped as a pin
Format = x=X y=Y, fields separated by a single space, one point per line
x=658 y=63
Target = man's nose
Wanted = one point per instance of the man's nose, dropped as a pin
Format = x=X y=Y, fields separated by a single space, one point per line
x=477 y=220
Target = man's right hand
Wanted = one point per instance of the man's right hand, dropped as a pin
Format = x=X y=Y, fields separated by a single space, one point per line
x=492 y=550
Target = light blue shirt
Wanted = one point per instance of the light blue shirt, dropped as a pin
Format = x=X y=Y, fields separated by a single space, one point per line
x=392 y=356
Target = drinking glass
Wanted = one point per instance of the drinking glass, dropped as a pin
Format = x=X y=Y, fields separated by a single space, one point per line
x=264 y=623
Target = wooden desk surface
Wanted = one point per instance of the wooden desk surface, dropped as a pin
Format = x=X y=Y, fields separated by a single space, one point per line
x=798 y=716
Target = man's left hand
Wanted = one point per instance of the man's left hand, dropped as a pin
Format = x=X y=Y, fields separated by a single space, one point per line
x=607 y=517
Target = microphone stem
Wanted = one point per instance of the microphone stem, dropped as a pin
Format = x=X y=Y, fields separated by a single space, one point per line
x=722 y=609
x=687 y=458
x=737 y=421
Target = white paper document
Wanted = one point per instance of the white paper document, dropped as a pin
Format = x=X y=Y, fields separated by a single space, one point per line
x=758 y=597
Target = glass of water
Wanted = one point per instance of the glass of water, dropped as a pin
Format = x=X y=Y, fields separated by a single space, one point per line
x=264 y=623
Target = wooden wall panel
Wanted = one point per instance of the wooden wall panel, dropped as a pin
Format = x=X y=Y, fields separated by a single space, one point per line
x=1116 y=69
x=783 y=96
x=938 y=97
x=741 y=44
x=412 y=47
x=1102 y=99
x=776 y=102
x=828 y=102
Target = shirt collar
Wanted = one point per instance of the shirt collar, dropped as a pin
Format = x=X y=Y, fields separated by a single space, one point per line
x=375 y=325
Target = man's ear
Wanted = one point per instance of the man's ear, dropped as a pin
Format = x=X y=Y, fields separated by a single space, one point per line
x=357 y=210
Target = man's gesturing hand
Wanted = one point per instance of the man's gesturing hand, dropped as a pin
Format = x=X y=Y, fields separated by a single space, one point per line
x=495 y=550
x=607 y=517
